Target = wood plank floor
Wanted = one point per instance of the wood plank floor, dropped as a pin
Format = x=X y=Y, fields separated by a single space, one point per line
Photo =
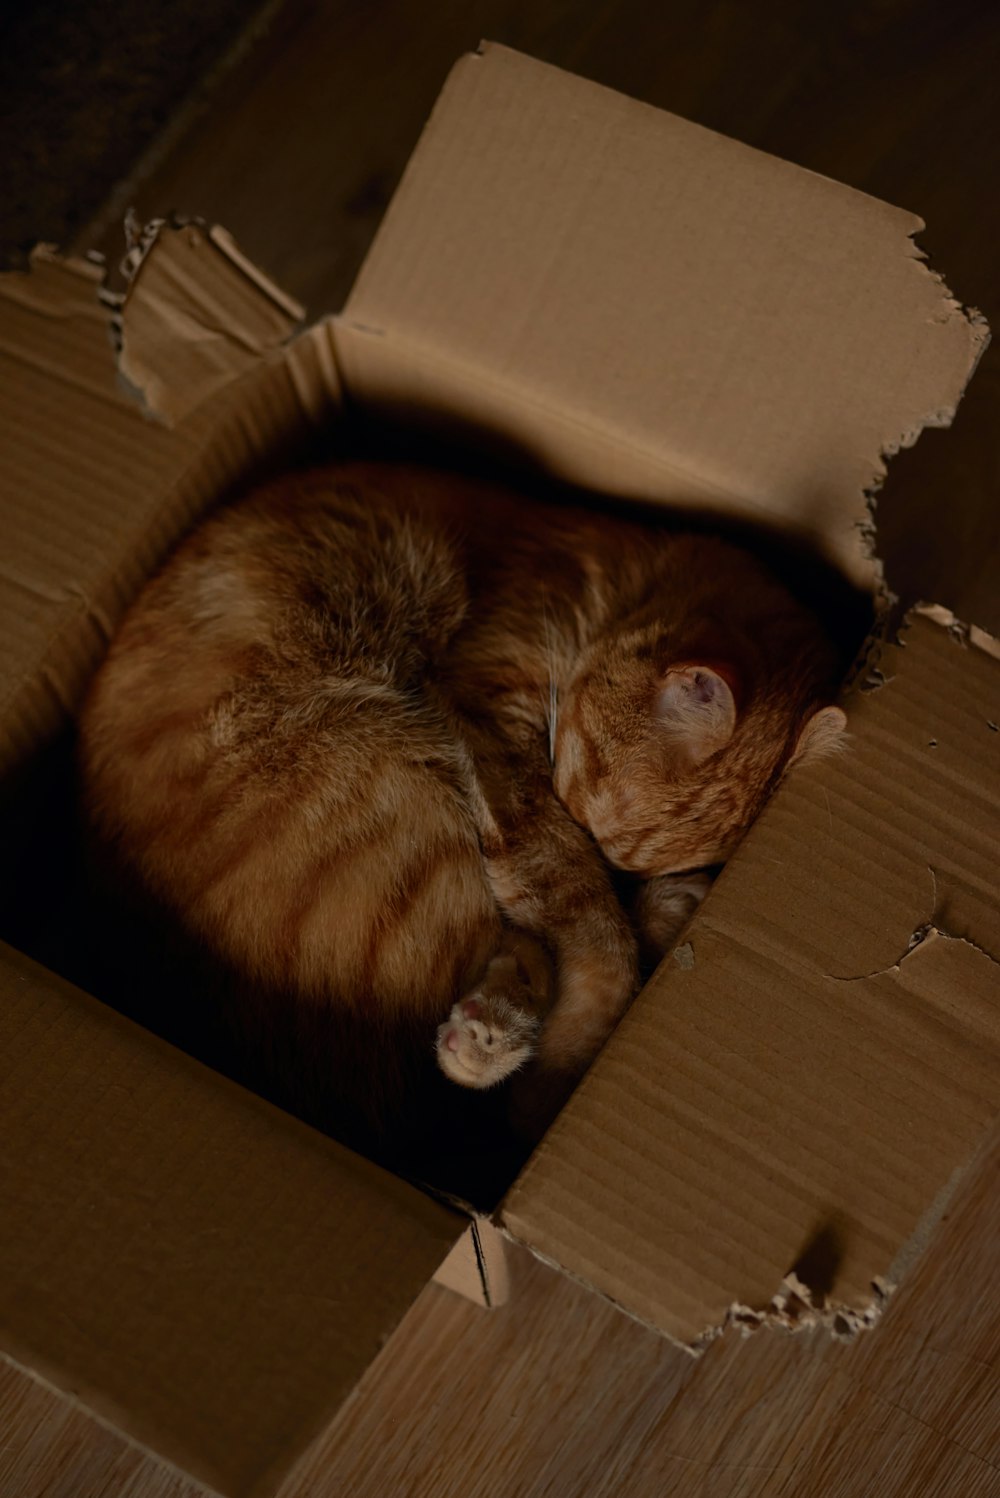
x=558 y=1394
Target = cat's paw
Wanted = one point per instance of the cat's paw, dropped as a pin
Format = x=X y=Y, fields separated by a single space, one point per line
x=485 y=1039
x=663 y=907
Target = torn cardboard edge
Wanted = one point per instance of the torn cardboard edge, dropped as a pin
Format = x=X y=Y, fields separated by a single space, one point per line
x=868 y=675
x=455 y=195
x=44 y=255
x=932 y=938
x=924 y=937
x=503 y=407
x=794 y=1308
x=140 y=239
x=606 y=447
x=494 y=79
x=497 y=414
x=973 y=315
x=180 y=339
x=940 y=419
x=957 y=629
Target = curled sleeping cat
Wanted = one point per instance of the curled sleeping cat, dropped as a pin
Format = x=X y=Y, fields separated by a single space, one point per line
x=376 y=734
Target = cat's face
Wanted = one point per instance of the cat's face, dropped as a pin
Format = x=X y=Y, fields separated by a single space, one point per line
x=665 y=767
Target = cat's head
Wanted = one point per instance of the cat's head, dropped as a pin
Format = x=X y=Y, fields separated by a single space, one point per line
x=667 y=765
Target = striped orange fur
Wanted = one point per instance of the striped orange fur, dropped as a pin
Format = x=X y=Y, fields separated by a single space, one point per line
x=375 y=734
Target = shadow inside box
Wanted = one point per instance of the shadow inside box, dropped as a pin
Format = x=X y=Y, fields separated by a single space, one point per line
x=65 y=908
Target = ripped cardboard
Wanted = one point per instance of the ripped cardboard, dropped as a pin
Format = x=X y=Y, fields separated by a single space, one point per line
x=823 y=1062
x=611 y=296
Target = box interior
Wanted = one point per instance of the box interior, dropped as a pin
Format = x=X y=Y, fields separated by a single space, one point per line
x=261 y=406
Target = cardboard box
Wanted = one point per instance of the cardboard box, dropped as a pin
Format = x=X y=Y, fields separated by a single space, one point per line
x=630 y=302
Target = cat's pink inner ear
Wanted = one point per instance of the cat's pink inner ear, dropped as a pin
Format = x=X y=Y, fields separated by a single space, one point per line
x=820 y=735
x=696 y=710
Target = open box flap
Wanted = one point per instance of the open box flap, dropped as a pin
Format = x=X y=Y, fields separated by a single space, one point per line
x=783 y=1113
x=696 y=320
x=196 y=314
x=193 y=1265
x=93 y=492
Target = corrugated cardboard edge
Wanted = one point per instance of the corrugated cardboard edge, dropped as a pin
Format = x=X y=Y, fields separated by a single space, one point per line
x=791 y=1309
x=795 y=1306
x=866 y=673
x=87 y=267
x=444 y=356
x=209 y=341
x=476 y=1268
x=137 y=482
x=960 y=632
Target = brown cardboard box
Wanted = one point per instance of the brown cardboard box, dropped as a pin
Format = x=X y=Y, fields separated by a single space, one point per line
x=630 y=302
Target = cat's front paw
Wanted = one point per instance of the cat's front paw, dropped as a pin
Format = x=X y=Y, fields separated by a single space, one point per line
x=485 y=1039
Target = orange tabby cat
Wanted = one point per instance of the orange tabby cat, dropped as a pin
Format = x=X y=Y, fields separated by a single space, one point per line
x=375 y=735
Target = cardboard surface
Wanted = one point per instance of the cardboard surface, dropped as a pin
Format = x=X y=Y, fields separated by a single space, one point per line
x=198 y=313
x=651 y=309
x=638 y=305
x=818 y=1075
x=94 y=492
x=476 y=1268
x=187 y=1261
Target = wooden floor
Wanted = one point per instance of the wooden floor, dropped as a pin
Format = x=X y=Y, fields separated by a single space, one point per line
x=558 y=1394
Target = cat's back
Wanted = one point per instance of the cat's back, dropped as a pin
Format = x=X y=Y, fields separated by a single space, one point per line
x=257 y=749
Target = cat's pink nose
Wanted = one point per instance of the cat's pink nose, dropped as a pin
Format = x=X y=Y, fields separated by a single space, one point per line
x=451 y=1040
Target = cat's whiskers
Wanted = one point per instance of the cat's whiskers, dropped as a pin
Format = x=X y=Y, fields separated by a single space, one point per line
x=550 y=707
x=553 y=717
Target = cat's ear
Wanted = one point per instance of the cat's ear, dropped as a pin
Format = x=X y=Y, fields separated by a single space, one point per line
x=820 y=736
x=695 y=708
